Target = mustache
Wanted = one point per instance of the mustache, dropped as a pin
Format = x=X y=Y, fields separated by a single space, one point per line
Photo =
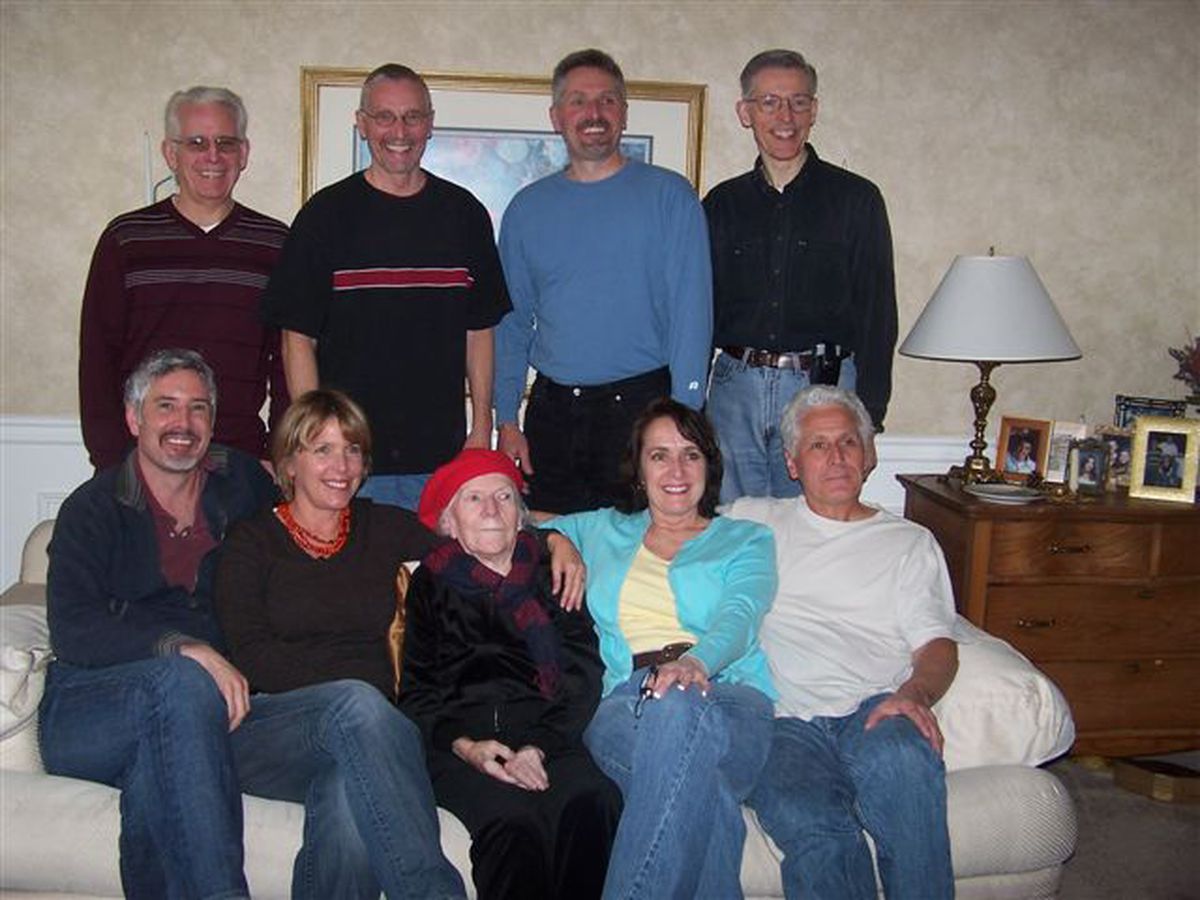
x=593 y=123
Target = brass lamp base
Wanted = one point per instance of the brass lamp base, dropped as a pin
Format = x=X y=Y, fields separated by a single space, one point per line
x=977 y=468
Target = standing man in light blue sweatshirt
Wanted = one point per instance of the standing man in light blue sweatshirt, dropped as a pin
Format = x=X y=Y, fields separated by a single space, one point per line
x=608 y=268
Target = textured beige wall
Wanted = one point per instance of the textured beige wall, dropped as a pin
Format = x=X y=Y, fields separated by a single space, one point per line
x=1068 y=132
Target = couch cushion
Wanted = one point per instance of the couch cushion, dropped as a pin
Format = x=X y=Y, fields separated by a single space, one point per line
x=1000 y=710
x=24 y=652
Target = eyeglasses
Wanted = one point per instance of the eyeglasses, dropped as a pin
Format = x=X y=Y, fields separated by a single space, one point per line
x=645 y=692
x=226 y=145
x=385 y=118
x=772 y=104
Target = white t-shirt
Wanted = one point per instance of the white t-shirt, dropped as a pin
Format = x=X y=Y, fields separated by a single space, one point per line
x=855 y=600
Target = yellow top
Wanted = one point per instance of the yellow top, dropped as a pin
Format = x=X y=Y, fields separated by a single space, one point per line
x=646 y=606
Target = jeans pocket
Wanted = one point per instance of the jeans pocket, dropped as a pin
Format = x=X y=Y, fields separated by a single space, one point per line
x=725 y=368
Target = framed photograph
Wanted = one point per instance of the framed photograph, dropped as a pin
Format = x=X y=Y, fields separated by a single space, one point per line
x=492 y=133
x=1061 y=435
x=1120 y=454
x=1092 y=472
x=1129 y=408
x=1165 y=454
x=1023 y=447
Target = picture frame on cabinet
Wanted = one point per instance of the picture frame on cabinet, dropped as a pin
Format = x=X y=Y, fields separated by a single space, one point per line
x=1023 y=447
x=1128 y=408
x=1061 y=436
x=1120 y=454
x=1166 y=455
x=1092 y=466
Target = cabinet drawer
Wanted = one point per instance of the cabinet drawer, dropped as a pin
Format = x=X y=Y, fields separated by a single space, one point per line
x=1148 y=694
x=1060 y=547
x=1079 y=621
x=1180 y=553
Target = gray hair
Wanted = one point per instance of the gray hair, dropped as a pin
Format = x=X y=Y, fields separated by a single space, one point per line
x=204 y=94
x=777 y=59
x=392 y=72
x=164 y=362
x=585 y=59
x=443 y=523
x=818 y=395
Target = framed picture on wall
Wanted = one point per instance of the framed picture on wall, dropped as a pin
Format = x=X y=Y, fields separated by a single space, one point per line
x=1023 y=447
x=492 y=133
x=1165 y=455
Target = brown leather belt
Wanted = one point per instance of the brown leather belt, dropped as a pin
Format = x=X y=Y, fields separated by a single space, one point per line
x=769 y=359
x=667 y=654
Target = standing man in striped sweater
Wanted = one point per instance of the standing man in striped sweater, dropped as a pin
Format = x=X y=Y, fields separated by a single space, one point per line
x=186 y=272
x=388 y=289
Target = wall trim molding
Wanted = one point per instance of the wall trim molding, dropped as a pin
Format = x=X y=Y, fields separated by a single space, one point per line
x=42 y=459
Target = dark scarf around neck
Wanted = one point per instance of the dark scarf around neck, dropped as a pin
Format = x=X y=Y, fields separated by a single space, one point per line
x=515 y=596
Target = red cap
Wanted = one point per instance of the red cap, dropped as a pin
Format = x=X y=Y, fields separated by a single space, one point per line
x=445 y=482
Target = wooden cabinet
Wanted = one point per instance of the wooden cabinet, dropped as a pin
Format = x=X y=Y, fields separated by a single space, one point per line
x=1102 y=593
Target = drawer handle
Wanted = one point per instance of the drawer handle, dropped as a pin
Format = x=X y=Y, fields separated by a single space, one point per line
x=1069 y=549
x=1035 y=623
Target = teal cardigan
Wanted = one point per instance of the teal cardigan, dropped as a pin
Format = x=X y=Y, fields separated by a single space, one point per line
x=723 y=580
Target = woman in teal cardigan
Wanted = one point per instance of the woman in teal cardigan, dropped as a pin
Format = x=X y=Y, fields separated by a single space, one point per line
x=677 y=594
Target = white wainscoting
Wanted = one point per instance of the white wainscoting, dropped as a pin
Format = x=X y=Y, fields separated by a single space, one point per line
x=42 y=460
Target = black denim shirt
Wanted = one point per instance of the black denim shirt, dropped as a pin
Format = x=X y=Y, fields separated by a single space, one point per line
x=811 y=264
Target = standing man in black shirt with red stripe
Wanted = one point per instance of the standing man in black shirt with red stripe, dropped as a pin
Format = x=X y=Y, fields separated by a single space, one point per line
x=388 y=289
x=803 y=285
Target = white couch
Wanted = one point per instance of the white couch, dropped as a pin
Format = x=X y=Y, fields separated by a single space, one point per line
x=1012 y=826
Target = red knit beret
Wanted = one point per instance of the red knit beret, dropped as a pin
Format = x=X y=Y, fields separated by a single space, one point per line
x=444 y=483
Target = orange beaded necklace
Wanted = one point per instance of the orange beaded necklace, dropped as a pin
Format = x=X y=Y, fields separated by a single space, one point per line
x=312 y=544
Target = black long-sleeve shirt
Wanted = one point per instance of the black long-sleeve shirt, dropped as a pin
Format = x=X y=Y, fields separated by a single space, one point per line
x=811 y=264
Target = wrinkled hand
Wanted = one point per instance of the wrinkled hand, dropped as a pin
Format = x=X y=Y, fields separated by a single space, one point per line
x=512 y=443
x=913 y=709
x=527 y=767
x=683 y=673
x=230 y=682
x=488 y=757
x=568 y=574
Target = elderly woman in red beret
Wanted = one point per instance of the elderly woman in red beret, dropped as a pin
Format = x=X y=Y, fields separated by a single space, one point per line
x=502 y=681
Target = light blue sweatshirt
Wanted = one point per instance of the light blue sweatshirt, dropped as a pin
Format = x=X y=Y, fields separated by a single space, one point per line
x=723 y=580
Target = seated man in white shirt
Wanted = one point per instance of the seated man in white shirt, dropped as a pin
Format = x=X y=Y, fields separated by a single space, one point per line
x=860 y=645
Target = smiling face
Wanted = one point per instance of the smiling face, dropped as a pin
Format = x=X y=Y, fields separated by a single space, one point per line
x=174 y=425
x=672 y=470
x=829 y=460
x=590 y=114
x=484 y=517
x=325 y=472
x=780 y=135
x=396 y=148
x=206 y=175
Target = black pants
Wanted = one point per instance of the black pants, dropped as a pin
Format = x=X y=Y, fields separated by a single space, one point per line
x=533 y=845
x=577 y=436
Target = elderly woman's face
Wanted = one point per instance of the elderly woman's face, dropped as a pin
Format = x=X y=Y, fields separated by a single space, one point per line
x=672 y=469
x=484 y=517
x=326 y=471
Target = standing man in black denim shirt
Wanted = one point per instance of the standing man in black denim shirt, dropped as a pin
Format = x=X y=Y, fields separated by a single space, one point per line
x=803 y=286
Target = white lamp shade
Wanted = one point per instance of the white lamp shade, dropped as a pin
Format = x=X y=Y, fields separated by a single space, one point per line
x=990 y=308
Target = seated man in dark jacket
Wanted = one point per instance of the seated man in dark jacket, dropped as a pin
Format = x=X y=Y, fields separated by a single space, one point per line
x=140 y=696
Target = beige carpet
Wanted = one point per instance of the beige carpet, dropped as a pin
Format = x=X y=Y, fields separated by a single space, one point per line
x=1130 y=846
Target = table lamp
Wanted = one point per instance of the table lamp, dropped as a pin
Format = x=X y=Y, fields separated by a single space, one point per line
x=989 y=310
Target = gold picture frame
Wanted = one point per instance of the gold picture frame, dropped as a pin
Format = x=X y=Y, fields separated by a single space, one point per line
x=1166 y=455
x=667 y=115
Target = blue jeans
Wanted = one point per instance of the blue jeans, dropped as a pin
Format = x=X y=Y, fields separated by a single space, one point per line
x=745 y=406
x=684 y=768
x=357 y=764
x=827 y=780
x=395 y=490
x=158 y=730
